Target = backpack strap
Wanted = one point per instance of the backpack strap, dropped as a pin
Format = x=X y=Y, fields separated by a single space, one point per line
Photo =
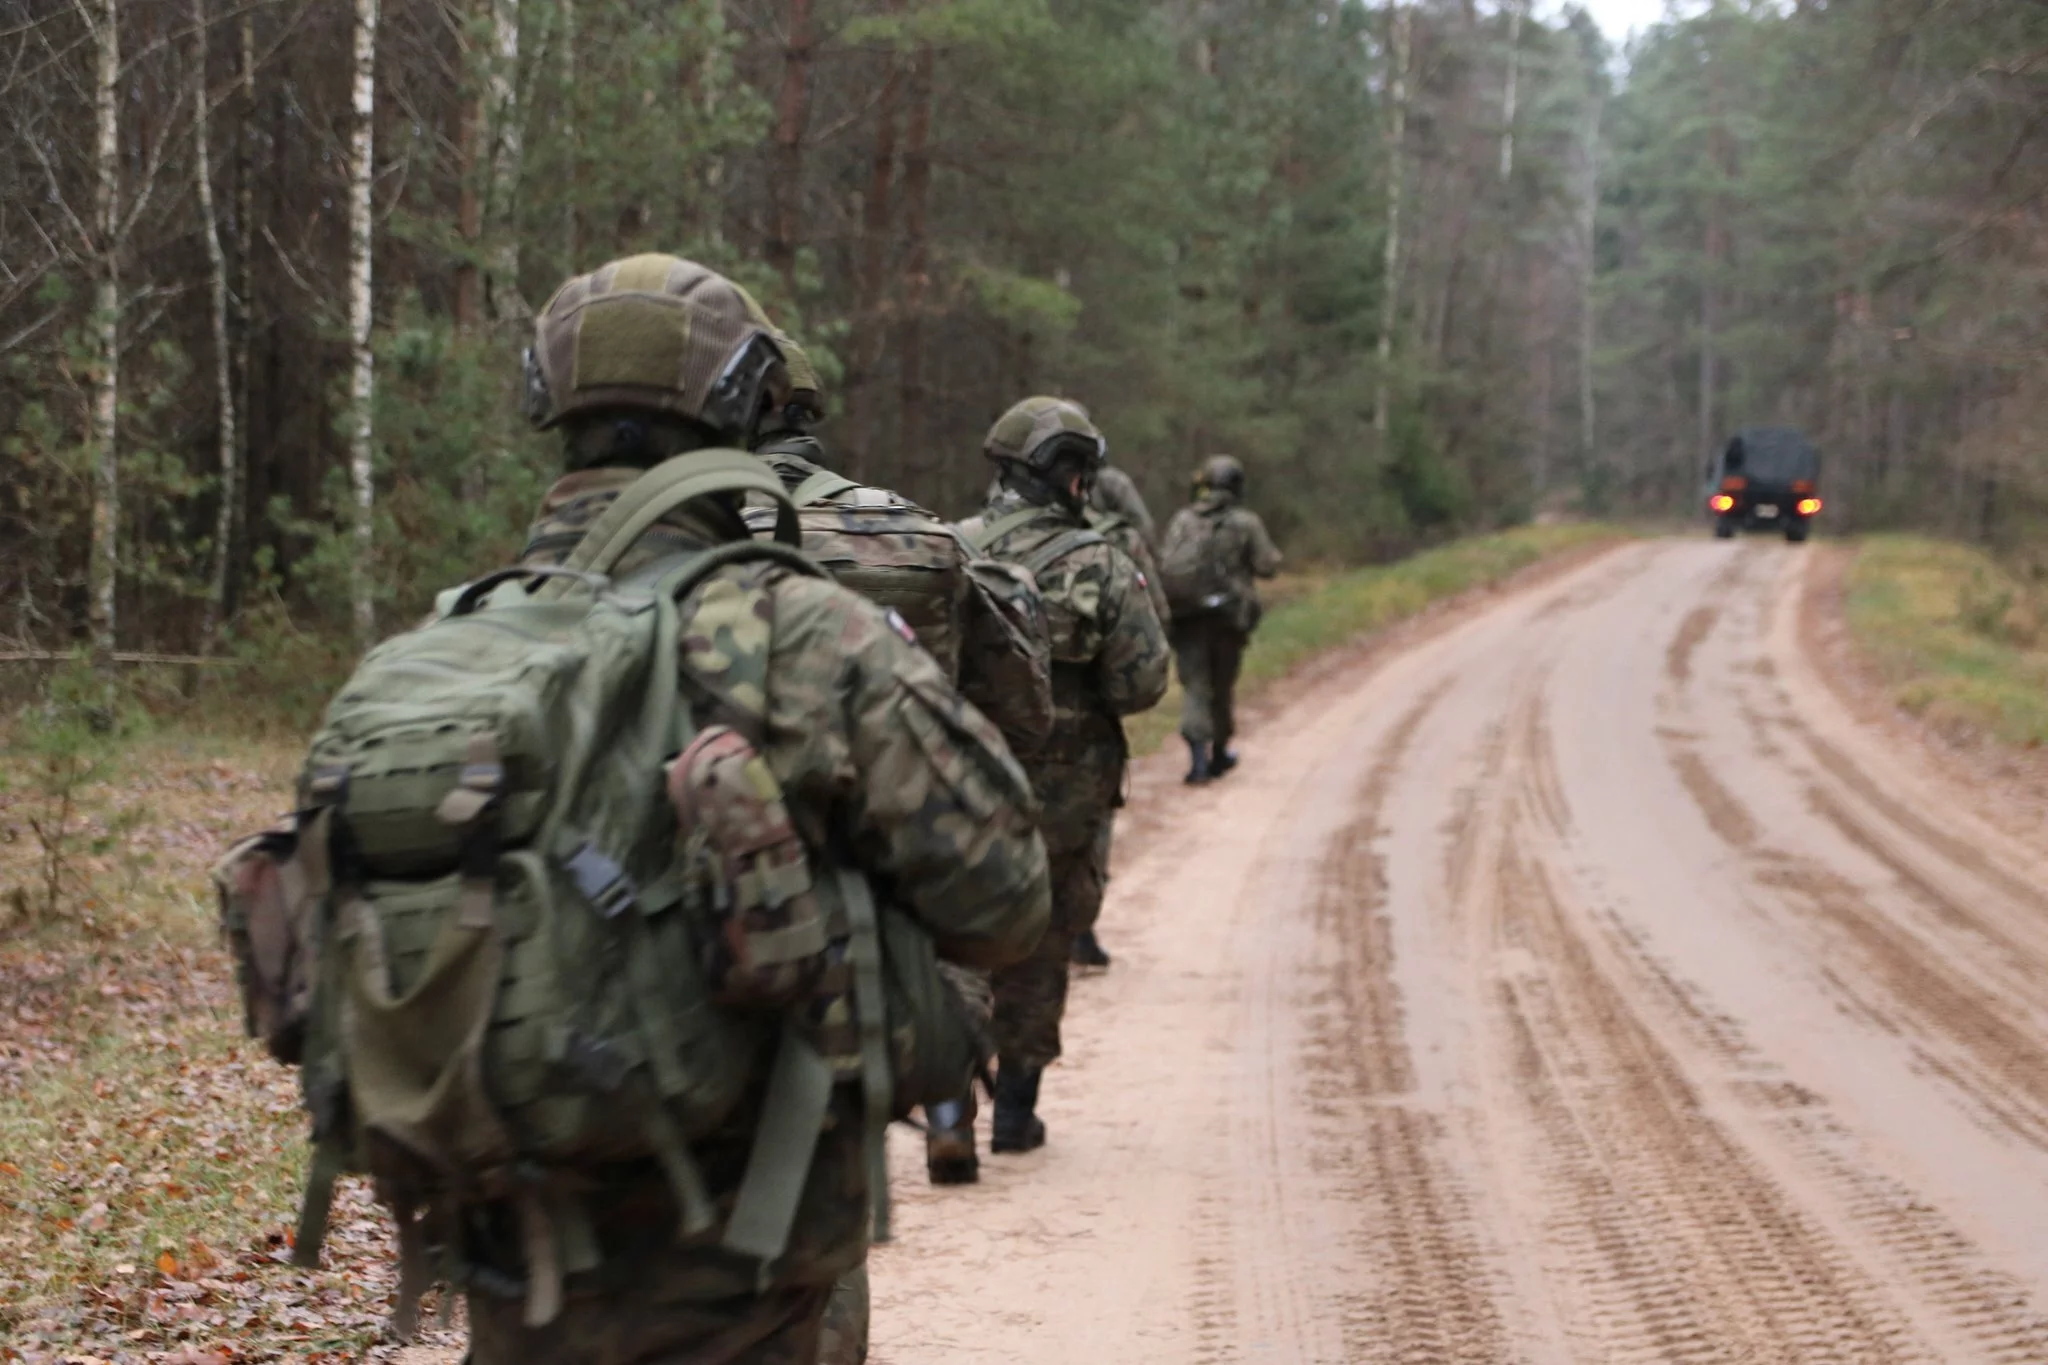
x=667 y=486
x=864 y=953
x=1059 y=547
x=990 y=532
x=820 y=486
x=1068 y=540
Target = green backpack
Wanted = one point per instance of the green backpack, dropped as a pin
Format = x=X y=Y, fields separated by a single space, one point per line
x=530 y=919
x=1191 y=565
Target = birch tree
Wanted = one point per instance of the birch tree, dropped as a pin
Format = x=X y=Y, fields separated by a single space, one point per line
x=217 y=300
x=103 y=421
x=508 y=144
x=362 y=383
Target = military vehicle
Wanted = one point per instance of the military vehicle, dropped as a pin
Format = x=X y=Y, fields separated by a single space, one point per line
x=1765 y=479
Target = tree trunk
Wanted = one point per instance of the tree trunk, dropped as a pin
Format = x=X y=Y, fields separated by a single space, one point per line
x=217 y=298
x=871 y=330
x=1399 y=21
x=1589 y=207
x=572 y=214
x=508 y=156
x=469 y=212
x=361 y=169
x=103 y=418
x=245 y=267
x=792 y=108
x=1509 y=91
x=917 y=179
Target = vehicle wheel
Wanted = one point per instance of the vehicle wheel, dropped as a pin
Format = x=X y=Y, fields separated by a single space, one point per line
x=1724 y=529
x=1795 y=531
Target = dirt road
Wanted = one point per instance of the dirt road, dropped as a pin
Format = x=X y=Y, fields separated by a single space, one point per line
x=1573 y=983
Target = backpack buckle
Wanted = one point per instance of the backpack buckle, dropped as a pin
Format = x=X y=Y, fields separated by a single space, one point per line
x=603 y=882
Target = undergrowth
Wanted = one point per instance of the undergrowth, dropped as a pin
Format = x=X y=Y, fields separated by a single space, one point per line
x=1956 y=637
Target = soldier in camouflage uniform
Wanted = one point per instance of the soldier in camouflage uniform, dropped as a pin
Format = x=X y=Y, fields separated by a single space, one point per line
x=1124 y=522
x=878 y=758
x=1210 y=632
x=1109 y=661
x=1116 y=495
x=972 y=614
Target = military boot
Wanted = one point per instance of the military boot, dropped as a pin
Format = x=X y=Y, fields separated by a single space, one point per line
x=1015 y=1127
x=1222 y=762
x=1087 y=951
x=949 y=1157
x=1198 y=763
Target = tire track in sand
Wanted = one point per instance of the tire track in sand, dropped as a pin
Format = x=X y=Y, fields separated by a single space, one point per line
x=1436 y=1297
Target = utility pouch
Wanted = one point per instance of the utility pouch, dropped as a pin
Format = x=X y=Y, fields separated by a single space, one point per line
x=268 y=916
x=768 y=947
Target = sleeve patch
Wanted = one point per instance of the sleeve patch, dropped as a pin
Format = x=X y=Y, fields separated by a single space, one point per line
x=901 y=626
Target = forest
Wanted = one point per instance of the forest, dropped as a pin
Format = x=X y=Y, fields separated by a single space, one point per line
x=266 y=266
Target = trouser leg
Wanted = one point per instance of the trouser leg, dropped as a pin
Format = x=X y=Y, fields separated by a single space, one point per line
x=1226 y=658
x=1191 y=657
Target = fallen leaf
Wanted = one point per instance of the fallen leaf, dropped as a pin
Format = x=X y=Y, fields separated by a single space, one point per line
x=167 y=1263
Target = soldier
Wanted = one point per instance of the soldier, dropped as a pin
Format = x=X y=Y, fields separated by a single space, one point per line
x=1123 y=521
x=876 y=754
x=979 y=618
x=1109 y=660
x=1116 y=494
x=1212 y=552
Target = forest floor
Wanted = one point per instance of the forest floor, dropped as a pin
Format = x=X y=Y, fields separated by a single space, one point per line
x=1597 y=966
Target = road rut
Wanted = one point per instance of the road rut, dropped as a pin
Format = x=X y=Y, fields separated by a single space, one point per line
x=1570 y=981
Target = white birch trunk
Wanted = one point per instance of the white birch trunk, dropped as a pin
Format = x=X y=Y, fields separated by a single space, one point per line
x=508 y=154
x=1399 y=20
x=217 y=292
x=361 y=168
x=104 y=416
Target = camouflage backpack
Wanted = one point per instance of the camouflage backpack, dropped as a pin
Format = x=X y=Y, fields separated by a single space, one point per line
x=979 y=618
x=1191 y=567
x=529 y=919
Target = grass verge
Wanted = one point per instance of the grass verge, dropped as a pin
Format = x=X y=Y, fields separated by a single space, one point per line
x=1957 y=640
x=150 y=1157
x=1314 y=613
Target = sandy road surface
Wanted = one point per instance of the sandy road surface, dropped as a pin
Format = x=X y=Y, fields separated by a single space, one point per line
x=1571 y=984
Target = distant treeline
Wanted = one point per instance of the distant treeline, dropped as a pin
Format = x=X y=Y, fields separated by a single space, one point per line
x=266 y=266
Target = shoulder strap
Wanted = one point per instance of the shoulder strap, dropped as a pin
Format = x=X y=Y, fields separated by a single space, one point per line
x=668 y=486
x=993 y=531
x=820 y=486
x=675 y=581
x=1059 y=547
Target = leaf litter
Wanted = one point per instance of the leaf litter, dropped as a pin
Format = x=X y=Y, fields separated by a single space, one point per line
x=151 y=1158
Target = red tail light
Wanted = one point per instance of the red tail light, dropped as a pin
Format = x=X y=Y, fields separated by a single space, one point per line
x=1734 y=483
x=1808 y=506
x=1802 y=485
x=1721 y=502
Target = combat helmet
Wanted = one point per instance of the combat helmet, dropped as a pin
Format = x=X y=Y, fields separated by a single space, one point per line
x=656 y=334
x=1038 y=431
x=806 y=404
x=1224 y=474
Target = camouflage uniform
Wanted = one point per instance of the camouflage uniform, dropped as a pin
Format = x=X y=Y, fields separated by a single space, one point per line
x=875 y=752
x=1209 y=646
x=1109 y=661
x=1116 y=494
x=880 y=762
x=902 y=557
